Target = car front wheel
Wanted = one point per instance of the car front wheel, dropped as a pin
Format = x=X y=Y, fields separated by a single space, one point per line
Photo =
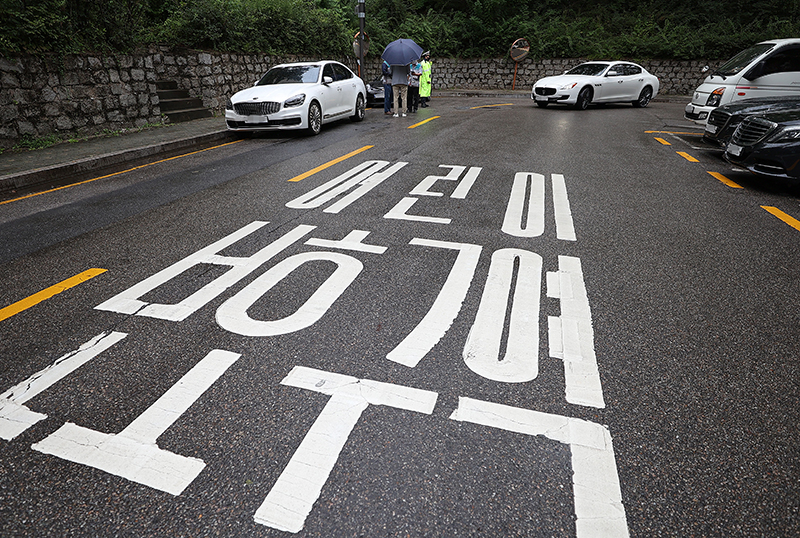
x=644 y=98
x=584 y=98
x=359 y=112
x=314 y=118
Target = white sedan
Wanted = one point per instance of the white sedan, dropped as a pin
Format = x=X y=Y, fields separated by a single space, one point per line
x=302 y=95
x=597 y=82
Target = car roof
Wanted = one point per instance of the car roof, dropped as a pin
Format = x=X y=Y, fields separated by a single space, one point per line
x=779 y=42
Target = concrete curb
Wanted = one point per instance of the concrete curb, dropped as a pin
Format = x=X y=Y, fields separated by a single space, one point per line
x=32 y=178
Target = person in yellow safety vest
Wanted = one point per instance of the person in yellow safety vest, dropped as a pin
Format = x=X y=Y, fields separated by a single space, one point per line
x=425 y=80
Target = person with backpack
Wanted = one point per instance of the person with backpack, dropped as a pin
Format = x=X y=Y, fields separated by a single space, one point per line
x=386 y=71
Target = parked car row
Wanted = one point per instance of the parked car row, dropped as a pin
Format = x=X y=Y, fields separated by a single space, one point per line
x=759 y=127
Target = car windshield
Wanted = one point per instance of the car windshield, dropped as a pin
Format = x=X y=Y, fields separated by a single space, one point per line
x=592 y=70
x=742 y=60
x=293 y=74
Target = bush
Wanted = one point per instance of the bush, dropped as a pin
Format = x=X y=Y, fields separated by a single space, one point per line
x=670 y=29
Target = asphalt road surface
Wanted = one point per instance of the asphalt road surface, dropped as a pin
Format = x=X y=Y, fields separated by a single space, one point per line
x=501 y=321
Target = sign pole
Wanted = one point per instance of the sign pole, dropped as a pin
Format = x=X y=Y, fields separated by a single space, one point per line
x=362 y=12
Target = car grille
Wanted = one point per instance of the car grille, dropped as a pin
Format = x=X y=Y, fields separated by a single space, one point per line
x=719 y=118
x=257 y=109
x=752 y=131
x=545 y=91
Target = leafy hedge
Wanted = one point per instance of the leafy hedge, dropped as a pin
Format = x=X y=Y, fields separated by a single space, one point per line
x=678 y=29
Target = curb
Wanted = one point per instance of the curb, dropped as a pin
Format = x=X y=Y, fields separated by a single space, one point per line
x=33 y=178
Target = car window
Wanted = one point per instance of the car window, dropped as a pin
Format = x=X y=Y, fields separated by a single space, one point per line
x=342 y=73
x=292 y=74
x=618 y=68
x=327 y=71
x=589 y=69
x=743 y=59
x=783 y=61
x=631 y=69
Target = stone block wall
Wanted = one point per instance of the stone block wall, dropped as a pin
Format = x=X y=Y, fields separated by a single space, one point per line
x=84 y=95
x=676 y=77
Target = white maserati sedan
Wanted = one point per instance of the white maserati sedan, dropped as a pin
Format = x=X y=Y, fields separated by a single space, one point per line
x=302 y=95
x=597 y=82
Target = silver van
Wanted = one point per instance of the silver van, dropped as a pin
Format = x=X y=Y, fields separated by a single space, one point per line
x=768 y=69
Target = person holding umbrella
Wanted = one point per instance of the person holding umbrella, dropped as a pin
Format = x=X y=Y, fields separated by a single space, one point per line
x=399 y=54
x=400 y=87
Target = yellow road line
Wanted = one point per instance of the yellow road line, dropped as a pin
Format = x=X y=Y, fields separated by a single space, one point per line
x=673 y=132
x=662 y=141
x=725 y=180
x=328 y=164
x=423 y=122
x=45 y=294
x=490 y=106
x=791 y=221
x=687 y=156
x=116 y=173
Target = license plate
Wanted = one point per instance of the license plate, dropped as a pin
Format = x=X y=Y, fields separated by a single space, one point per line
x=711 y=129
x=734 y=150
x=256 y=119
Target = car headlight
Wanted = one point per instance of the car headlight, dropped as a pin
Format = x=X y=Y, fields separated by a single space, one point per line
x=568 y=86
x=228 y=105
x=715 y=97
x=296 y=100
x=786 y=134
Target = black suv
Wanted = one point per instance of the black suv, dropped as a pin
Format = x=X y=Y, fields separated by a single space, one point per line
x=768 y=144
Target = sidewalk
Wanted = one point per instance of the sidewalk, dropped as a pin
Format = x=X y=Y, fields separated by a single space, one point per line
x=19 y=170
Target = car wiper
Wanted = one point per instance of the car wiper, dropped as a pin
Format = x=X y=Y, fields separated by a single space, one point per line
x=720 y=73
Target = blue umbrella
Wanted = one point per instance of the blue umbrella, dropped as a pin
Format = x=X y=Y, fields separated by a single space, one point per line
x=401 y=52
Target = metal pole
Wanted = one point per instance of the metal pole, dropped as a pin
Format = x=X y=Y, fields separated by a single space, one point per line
x=362 y=12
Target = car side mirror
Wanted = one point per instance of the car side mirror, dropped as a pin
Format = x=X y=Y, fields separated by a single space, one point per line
x=705 y=69
x=613 y=74
x=327 y=80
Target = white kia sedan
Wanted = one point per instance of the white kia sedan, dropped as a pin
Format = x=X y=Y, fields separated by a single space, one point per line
x=302 y=95
x=597 y=82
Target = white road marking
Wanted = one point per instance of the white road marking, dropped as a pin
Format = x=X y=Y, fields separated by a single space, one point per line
x=461 y=190
x=518 y=223
x=352 y=241
x=361 y=178
x=571 y=335
x=15 y=418
x=128 y=301
x=444 y=309
x=400 y=212
x=466 y=183
x=598 y=498
x=232 y=314
x=520 y=362
x=423 y=188
x=292 y=498
x=564 y=227
x=133 y=453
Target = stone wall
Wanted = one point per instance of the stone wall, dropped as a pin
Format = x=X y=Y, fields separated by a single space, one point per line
x=88 y=94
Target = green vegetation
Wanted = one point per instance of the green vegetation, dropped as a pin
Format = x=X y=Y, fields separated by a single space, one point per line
x=679 y=29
